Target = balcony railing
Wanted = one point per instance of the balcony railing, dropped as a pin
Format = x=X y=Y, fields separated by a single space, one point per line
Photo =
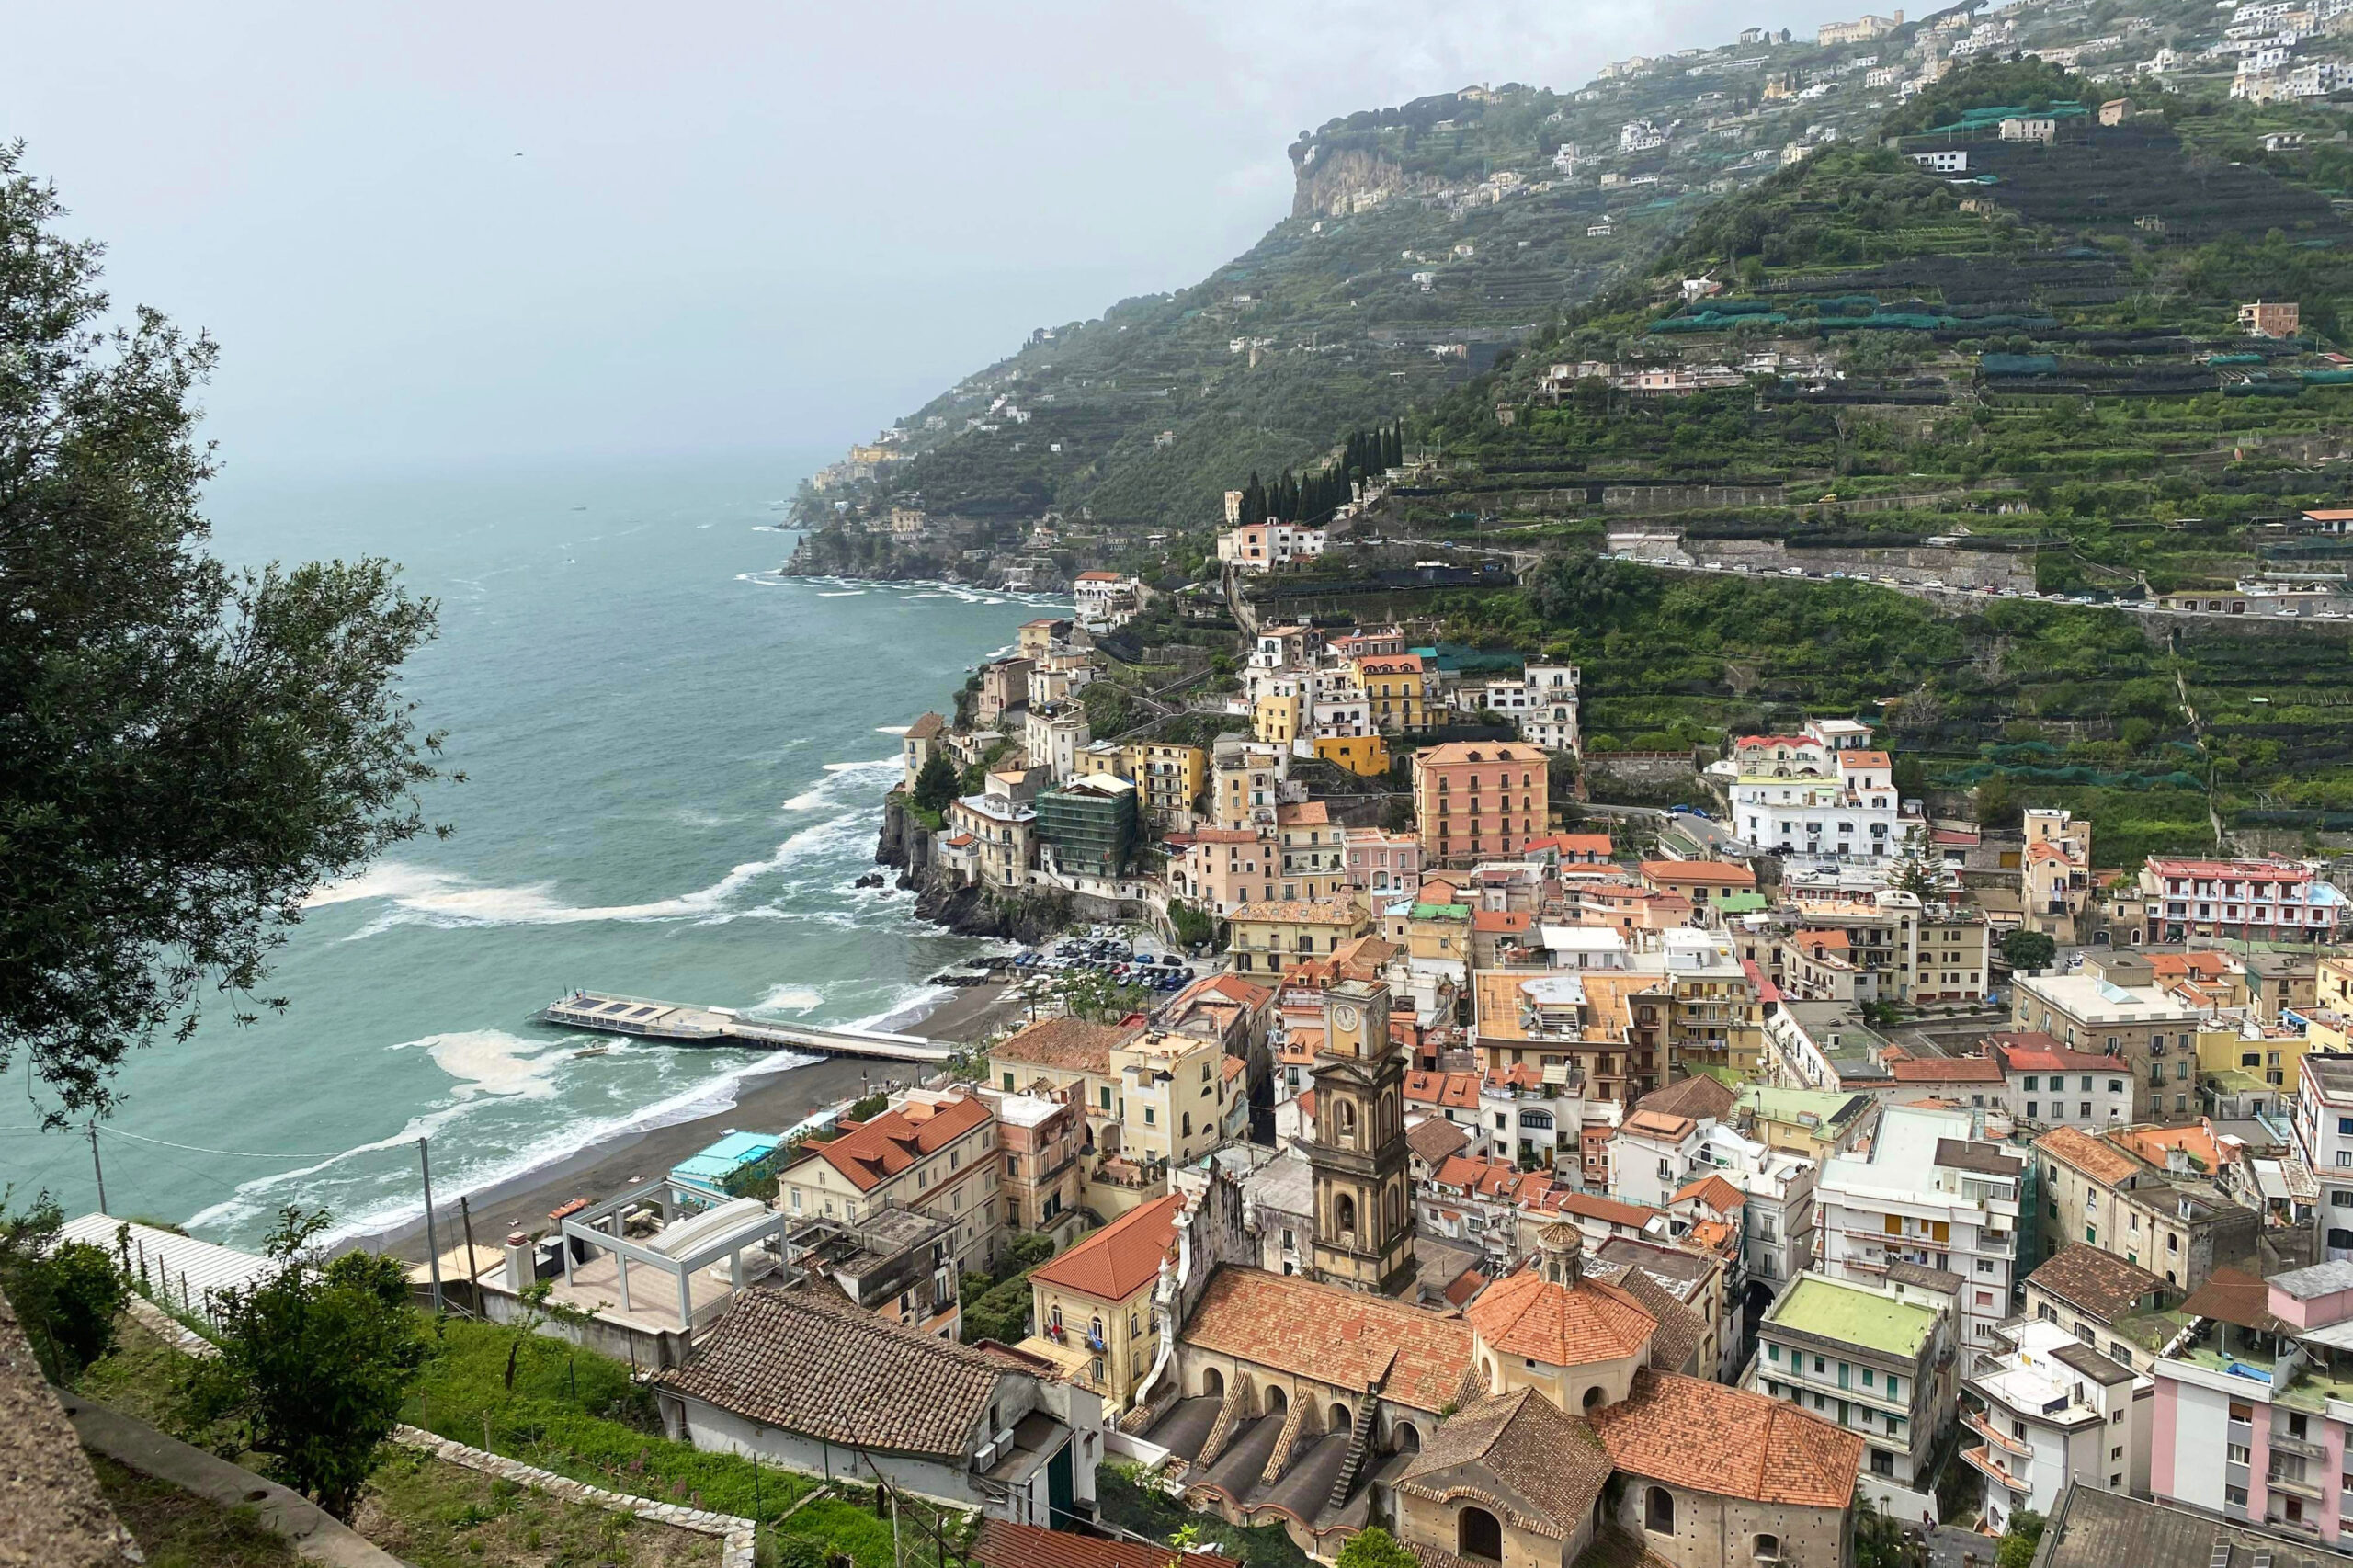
x=1985 y=1460
x=2283 y=1443
x=1976 y=1422
x=2304 y=1489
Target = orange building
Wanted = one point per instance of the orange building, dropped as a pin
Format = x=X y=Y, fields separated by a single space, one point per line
x=1473 y=800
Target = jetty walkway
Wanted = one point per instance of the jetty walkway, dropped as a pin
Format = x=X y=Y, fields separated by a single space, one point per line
x=684 y=1024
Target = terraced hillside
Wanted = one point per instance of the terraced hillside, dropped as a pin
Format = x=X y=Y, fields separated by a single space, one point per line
x=2006 y=385
x=1424 y=241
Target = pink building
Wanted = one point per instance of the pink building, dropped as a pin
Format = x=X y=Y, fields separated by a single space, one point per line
x=1383 y=862
x=2266 y=900
x=1221 y=869
x=2252 y=1412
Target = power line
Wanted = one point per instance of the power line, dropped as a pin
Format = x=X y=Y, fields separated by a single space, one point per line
x=231 y=1153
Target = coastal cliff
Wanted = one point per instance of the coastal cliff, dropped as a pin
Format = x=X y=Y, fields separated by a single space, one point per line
x=1024 y=917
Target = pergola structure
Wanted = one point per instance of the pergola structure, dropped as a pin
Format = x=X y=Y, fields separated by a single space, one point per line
x=682 y=1249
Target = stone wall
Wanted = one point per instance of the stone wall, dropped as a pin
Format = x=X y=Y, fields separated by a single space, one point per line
x=1962 y=568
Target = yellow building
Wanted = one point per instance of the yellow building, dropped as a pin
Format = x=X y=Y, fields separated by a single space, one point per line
x=1397 y=690
x=1095 y=1300
x=1173 y=1095
x=1148 y=1097
x=1273 y=938
x=1169 y=778
x=1364 y=756
x=1277 y=718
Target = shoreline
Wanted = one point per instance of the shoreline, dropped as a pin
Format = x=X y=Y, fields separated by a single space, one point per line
x=764 y=1101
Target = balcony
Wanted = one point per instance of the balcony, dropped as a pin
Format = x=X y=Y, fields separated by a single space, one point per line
x=2284 y=1444
x=2304 y=1489
x=1975 y=1421
x=1992 y=1466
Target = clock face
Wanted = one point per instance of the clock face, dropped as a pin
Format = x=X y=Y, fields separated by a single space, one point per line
x=1345 y=1017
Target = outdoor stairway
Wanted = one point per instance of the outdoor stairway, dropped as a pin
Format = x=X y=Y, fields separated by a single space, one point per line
x=1294 y=1420
x=1229 y=1416
x=1359 y=1445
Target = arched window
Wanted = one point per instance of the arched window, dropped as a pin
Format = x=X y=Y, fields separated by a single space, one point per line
x=1596 y=1397
x=1348 y=1119
x=1188 y=1124
x=1478 y=1535
x=1212 y=1382
x=1767 y=1548
x=1487 y=1374
x=1344 y=1216
x=1405 y=1439
x=1277 y=1401
x=1339 y=1420
x=1658 y=1511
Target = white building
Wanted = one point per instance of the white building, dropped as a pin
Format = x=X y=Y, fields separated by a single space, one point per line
x=2324 y=1136
x=1549 y=720
x=1052 y=738
x=1815 y=797
x=2048 y=1410
x=1927 y=1191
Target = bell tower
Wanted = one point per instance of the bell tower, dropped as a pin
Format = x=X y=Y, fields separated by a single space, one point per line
x=1364 y=1210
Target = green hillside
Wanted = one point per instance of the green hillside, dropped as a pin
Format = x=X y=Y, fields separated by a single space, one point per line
x=2052 y=382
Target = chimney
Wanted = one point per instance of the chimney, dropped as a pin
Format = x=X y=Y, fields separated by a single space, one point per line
x=1560 y=1252
x=522 y=1262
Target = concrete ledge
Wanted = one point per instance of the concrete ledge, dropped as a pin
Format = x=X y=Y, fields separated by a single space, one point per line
x=735 y=1533
x=316 y=1535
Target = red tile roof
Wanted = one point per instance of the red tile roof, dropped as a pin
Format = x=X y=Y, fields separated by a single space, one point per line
x=2095 y=1157
x=1499 y=920
x=1119 y=1259
x=1529 y=1315
x=1593 y=1206
x=1003 y=1544
x=1659 y=1124
x=1727 y=1441
x=880 y=1149
x=1714 y=1191
x=1458 y=1090
x=1946 y=1070
x=1576 y=844
x=1069 y=1045
x=1338 y=1337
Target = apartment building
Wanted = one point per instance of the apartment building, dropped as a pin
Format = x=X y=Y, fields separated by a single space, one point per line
x=931 y=1151
x=2046 y=1085
x=2240 y=900
x=1928 y=1192
x=1273 y=936
x=1397 y=692
x=1812 y=799
x=2046 y=1410
x=2252 y=1416
x=2166 y=1217
x=2323 y=1123
x=1043 y=1139
x=1876 y=1359
x=1608 y=1030
x=1476 y=801
x=2115 y=1008
x=992 y=837
x=1095 y=1297
x=1718 y=1018
x=1313 y=851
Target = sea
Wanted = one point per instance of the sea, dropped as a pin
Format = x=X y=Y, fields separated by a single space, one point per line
x=675 y=758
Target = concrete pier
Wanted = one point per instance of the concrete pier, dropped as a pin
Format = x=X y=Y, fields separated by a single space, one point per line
x=686 y=1025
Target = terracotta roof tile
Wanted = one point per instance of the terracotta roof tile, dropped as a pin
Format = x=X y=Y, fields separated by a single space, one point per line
x=1559 y=1326
x=1946 y=1070
x=1434 y=1139
x=1729 y=1442
x=1698 y=1096
x=877 y=1150
x=820 y=1367
x=2099 y=1282
x=2095 y=1157
x=1003 y=1544
x=1697 y=873
x=1519 y=1454
x=1714 y=1191
x=1339 y=1337
x=1119 y=1259
x=1068 y=1045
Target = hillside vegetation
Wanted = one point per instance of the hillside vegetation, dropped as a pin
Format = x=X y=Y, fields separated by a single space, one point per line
x=2068 y=398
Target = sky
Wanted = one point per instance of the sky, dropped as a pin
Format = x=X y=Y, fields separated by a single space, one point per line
x=432 y=234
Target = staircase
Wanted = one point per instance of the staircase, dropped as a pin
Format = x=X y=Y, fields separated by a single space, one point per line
x=1294 y=1421
x=1229 y=1413
x=1359 y=1447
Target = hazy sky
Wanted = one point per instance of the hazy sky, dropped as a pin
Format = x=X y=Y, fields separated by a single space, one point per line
x=730 y=226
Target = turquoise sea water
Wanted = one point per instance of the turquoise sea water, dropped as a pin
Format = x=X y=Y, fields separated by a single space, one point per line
x=675 y=760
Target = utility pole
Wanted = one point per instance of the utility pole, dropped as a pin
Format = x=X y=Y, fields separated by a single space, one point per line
x=97 y=1165
x=432 y=1245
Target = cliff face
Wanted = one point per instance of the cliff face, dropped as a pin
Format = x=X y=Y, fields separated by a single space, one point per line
x=1328 y=188
x=1027 y=918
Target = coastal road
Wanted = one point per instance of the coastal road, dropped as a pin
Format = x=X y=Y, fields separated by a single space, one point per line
x=1950 y=598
